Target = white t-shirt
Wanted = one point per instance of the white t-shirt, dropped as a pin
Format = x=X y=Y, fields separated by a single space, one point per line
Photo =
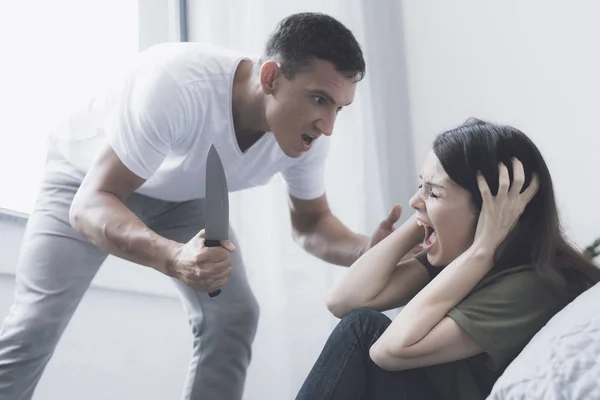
x=161 y=118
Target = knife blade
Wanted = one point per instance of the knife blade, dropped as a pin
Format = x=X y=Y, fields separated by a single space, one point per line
x=216 y=203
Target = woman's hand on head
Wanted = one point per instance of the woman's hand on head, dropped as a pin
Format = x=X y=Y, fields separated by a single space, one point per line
x=500 y=214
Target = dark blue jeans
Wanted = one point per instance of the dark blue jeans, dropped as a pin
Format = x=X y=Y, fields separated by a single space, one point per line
x=345 y=371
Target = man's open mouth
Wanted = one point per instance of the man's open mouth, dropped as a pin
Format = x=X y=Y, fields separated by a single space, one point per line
x=308 y=138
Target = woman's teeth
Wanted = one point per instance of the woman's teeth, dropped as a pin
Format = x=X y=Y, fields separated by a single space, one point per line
x=430 y=236
x=429 y=232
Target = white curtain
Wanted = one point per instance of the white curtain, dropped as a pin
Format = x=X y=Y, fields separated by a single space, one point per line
x=369 y=168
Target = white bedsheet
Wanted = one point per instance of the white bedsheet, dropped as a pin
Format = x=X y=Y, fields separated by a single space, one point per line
x=562 y=361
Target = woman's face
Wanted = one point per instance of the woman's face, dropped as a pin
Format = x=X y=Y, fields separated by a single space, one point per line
x=446 y=212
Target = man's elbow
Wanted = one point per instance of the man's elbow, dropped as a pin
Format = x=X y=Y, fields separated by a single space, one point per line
x=74 y=215
x=297 y=235
x=77 y=213
x=303 y=235
x=305 y=225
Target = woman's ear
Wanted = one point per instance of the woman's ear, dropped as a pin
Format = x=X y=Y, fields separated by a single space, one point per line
x=474 y=208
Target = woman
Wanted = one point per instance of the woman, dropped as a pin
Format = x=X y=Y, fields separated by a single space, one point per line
x=495 y=268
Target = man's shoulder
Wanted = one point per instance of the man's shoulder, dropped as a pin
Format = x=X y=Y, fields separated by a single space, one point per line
x=188 y=62
x=168 y=50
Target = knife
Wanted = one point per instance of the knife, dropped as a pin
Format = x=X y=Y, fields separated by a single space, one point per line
x=216 y=210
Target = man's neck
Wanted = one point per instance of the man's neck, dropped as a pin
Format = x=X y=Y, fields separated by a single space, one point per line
x=248 y=101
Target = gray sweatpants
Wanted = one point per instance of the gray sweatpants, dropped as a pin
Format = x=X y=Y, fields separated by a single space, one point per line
x=57 y=264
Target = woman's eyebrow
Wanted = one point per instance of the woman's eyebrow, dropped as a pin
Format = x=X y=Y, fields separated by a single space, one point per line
x=434 y=185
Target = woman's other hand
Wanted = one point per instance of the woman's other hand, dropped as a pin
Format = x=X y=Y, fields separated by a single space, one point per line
x=500 y=214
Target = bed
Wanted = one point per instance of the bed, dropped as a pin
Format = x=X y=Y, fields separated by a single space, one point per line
x=562 y=361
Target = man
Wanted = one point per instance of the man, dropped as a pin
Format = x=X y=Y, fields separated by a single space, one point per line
x=125 y=176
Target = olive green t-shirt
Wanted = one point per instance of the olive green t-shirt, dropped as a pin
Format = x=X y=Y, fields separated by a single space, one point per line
x=502 y=313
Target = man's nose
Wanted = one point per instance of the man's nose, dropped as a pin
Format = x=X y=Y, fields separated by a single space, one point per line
x=326 y=123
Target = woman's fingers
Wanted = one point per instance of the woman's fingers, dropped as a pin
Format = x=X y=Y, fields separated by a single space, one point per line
x=503 y=180
x=532 y=189
x=518 y=177
x=483 y=187
x=506 y=187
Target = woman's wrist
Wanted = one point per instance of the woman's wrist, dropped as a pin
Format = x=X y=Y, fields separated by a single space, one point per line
x=406 y=238
x=415 y=233
x=483 y=249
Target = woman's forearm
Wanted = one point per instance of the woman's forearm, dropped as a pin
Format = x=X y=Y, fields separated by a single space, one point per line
x=433 y=303
x=367 y=277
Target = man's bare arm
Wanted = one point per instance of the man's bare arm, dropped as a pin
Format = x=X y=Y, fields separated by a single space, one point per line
x=323 y=235
x=99 y=213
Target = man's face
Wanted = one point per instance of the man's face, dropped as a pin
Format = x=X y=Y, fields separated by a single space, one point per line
x=299 y=110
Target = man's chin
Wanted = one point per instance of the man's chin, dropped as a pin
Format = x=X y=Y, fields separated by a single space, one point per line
x=292 y=153
x=287 y=149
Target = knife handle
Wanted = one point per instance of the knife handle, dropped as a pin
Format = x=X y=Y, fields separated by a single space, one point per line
x=213 y=243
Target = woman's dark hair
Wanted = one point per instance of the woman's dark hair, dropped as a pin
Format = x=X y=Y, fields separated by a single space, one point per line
x=538 y=238
x=301 y=38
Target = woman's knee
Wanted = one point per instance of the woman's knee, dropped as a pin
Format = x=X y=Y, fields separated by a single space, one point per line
x=366 y=320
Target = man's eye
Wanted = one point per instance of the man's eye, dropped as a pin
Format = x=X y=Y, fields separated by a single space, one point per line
x=320 y=100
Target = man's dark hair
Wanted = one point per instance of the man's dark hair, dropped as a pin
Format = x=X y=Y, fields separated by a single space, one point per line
x=303 y=37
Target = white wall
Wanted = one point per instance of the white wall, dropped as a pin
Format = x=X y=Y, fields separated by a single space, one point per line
x=533 y=64
x=158 y=22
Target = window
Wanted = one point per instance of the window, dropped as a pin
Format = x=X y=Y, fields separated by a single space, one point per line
x=54 y=55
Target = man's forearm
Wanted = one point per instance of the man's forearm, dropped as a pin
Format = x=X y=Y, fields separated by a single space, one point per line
x=110 y=225
x=330 y=240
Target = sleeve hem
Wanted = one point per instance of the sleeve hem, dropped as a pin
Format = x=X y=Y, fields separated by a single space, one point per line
x=130 y=164
x=488 y=344
x=306 y=195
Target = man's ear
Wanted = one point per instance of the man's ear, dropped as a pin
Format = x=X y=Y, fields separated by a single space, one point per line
x=269 y=72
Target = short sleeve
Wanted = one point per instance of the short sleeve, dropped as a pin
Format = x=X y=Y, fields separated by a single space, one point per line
x=505 y=314
x=150 y=116
x=306 y=177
